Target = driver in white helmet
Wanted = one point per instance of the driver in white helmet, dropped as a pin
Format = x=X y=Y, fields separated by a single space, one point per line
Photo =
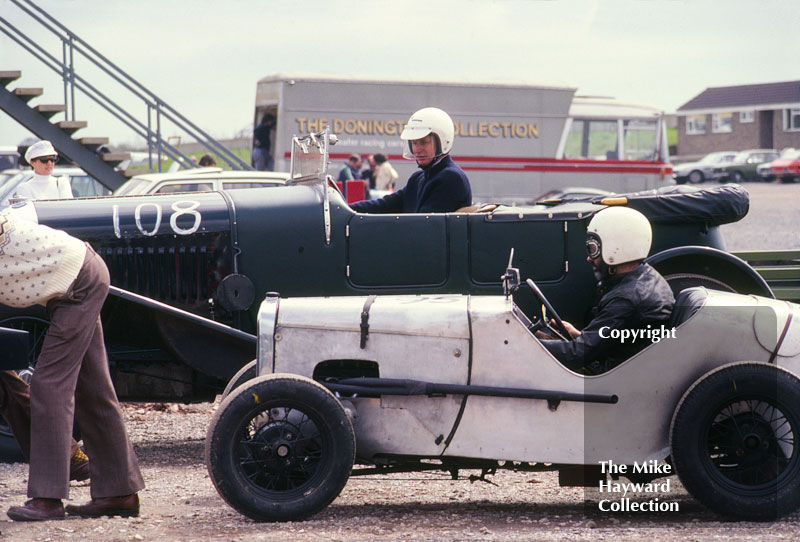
x=440 y=186
x=632 y=294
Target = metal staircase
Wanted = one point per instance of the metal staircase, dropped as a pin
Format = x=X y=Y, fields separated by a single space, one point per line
x=83 y=150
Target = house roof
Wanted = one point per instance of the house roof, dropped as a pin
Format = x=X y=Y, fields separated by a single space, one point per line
x=745 y=95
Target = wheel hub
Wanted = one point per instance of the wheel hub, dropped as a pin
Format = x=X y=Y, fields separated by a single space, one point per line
x=283 y=450
x=746 y=446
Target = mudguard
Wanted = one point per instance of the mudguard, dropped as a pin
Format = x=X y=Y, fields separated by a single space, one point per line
x=710 y=267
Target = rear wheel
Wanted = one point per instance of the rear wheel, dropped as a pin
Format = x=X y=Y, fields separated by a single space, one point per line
x=734 y=440
x=248 y=372
x=280 y=448
x=737 y=176
x=679 y=281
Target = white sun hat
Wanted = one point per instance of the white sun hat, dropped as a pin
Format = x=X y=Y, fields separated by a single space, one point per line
x=39 y=149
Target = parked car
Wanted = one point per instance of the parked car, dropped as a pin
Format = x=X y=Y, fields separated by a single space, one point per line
x=452 y=382
x=7 y=174
x=571 y=193
x=9 y=158
x=786 y=168
x=83 y=185
x=744 y=166
x=199 y=180
x=697 y=172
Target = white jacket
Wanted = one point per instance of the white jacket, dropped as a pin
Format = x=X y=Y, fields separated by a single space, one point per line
x=45 y=187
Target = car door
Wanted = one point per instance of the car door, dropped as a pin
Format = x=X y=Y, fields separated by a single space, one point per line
x=397 y=251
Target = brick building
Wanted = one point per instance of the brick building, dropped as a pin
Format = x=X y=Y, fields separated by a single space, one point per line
x=740 y=117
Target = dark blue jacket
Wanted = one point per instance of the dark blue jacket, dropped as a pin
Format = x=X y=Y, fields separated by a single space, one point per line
x=440 y=188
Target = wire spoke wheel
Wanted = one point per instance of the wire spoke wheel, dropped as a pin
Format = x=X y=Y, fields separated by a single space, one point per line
x=734 y=441
x=751 y=443
x=280 y=448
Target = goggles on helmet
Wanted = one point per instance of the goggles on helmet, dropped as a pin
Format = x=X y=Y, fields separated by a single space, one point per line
x=593 y=246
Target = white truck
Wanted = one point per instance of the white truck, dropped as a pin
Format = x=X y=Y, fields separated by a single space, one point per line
x=515 y=141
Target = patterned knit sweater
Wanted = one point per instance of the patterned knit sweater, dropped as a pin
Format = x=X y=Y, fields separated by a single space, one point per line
x=37 y=263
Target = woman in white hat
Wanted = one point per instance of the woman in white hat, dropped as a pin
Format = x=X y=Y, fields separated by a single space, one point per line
x=43 y=157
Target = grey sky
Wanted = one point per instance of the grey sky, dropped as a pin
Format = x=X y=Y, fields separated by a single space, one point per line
x=205 y=57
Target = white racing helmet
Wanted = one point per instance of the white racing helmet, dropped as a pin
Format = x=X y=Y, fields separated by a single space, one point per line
x=620 y=235
x=429 y=120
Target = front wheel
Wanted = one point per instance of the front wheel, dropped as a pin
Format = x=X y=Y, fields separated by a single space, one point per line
x=696 y=177
x=737 y=177
x=280 y=448
x=734 y=440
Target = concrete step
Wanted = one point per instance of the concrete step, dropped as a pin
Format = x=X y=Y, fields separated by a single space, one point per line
x=114 y=158
x=93 y=142
x=71 y=126
x=7 y=76
x=27 y=94
x=48 y=110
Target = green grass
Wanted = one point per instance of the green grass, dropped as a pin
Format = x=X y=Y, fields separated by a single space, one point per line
x=672 y=136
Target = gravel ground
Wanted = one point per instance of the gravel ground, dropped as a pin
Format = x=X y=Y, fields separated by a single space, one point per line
x=180 y=503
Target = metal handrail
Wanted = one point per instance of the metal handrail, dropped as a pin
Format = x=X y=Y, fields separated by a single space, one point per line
x=71 y=44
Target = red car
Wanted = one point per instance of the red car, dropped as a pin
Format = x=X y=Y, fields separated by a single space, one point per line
x=786 y=168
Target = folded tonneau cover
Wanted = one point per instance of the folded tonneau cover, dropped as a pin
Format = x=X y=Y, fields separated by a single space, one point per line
x=686 y=204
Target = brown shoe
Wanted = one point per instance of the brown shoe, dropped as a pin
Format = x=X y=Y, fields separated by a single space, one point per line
x=37 y=510
x=127 y=506
x=79 y=466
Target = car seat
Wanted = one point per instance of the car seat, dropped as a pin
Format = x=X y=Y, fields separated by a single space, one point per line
x=689 y=301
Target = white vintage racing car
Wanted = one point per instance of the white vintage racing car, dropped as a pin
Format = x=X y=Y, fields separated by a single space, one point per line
x=450 y=382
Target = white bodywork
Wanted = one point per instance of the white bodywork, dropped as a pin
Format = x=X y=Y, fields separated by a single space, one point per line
x=478 y=340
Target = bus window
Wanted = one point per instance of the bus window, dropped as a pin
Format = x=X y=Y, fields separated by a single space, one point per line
x=641 y=138
x=592 y=139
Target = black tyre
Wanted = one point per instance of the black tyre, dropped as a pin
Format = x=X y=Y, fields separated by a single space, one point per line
x=735 y=440
x=736 y=176
x=280 y=448
x=246 y=373
x=696 y=177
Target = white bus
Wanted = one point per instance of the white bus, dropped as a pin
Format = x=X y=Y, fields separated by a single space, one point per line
x=514 y=141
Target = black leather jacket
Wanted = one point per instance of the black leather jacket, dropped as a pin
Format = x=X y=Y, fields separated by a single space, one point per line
x=633 y=300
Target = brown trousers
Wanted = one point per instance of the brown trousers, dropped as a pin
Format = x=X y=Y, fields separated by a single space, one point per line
x=15 y=408
x=72 y=380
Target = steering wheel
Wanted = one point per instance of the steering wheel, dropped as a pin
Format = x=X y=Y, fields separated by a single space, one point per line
x=560 y=328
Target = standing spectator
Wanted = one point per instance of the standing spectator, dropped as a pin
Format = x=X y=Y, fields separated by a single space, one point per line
x=350 y=170
x=368 y=173
x=15 y=408
x=43 y=266
x=43 y=157
x=207 y=161
x=262 y=141
x=386 y=176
